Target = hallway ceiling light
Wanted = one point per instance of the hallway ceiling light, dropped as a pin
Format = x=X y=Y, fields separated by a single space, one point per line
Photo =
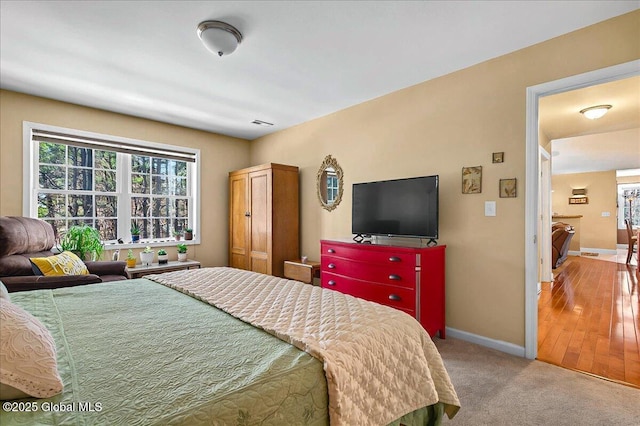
x=219 y=37
x=595 y=112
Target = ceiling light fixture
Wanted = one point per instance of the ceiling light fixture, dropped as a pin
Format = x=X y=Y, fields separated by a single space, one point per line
x=219 y=37
x=595 y=112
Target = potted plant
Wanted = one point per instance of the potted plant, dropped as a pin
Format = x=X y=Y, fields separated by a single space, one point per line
x=84 y=241
x=188 y=234
x=177 y=235
x=131 y=259
x=135 y=232
x=163 y=257
x=146 y=256
x=182 y=252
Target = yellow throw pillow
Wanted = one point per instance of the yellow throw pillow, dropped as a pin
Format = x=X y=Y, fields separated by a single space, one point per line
x=65 y=263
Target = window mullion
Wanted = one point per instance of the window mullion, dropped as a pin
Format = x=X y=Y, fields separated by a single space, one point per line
x=123 y=185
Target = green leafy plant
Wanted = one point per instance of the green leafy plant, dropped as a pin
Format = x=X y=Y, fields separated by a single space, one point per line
x=162 y=252
x=182 y=248
x=130 y=255
x=177 y=233
x=83 y=240
x=135 y=230
x=147 y=249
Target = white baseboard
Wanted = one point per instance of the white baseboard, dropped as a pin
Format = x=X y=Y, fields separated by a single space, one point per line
x=573 y=253
x=499 y=345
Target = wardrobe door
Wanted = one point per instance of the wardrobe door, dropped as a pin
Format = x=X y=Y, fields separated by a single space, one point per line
x=239 y=221
x=260 y=186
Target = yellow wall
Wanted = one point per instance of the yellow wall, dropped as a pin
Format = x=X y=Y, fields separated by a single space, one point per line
x=596 y=231
x=437 y=127
x=219 y=155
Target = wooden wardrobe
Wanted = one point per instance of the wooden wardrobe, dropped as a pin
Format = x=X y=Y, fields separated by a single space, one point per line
x=264 y=218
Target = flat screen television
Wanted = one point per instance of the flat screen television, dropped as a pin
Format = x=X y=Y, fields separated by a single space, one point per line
x=399 y=207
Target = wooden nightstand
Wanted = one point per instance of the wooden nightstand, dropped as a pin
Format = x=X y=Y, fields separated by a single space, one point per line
x=305 y=272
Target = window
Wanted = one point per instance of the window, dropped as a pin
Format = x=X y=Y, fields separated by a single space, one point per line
x=332 y=187
x=109 y=183
x=629 y=204
x=159 y=201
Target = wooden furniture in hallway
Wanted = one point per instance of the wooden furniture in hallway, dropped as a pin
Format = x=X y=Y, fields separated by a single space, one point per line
x=632 y=239
x=588 y=320
x=263 y=218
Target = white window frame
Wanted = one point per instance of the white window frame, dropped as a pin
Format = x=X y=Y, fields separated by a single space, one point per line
x=31 y=182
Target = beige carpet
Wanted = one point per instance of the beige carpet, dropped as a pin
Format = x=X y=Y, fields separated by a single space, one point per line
x=500 y=389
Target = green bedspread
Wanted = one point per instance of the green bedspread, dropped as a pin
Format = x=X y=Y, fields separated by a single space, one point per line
x=144 y=354
x=138 y=353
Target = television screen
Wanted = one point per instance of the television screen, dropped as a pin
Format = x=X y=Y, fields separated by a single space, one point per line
x=402 y=207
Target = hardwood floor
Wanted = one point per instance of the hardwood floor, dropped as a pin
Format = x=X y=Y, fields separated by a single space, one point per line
x=588 y=320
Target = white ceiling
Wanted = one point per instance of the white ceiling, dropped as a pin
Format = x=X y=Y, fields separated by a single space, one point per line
x=581 y=145
x=298 y=60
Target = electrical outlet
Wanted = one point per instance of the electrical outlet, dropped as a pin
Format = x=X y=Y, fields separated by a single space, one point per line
x=606 y=214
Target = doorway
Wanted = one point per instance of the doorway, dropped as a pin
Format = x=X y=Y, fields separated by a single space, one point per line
x=533 y=210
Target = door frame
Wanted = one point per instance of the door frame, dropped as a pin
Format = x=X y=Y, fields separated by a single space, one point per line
x=532 y=181
x=546 y=269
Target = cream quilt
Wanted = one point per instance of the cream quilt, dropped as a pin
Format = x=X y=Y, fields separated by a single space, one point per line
x=380 y=364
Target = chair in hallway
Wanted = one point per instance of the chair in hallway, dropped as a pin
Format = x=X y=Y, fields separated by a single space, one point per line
x=633 y=240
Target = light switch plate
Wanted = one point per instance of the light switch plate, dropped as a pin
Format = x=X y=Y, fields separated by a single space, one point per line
x=606 y=214
x=489 y=208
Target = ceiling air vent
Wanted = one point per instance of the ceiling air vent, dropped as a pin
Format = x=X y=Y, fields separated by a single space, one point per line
x=261 y=123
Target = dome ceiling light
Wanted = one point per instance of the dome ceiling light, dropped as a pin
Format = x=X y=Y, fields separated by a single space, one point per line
x=595 y=112
x=219 y=37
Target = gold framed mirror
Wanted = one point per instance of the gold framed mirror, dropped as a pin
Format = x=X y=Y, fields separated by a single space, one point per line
x=329 y=183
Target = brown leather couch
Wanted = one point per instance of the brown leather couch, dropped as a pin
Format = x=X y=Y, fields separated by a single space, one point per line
x=22 y=238
x=561 y=235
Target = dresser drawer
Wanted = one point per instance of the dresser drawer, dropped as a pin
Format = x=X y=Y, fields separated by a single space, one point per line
x=396 y=275
x=366 y=253
x=396 y=297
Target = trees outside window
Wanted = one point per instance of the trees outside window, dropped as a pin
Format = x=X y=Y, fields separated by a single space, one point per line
x=109 y=189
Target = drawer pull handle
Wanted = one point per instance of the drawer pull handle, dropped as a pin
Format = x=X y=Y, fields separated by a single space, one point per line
x=394 y=297
x=394 y=277
x=331 y=251
x=331 y=282
x=331 y=266
x=394 y=259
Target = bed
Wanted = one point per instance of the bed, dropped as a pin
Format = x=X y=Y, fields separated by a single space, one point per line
x=228 y=347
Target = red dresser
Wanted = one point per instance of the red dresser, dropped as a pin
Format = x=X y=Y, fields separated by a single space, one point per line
x=406 y=278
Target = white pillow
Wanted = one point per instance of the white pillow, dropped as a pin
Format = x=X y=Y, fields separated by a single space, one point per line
x=4 y=293
x=28 y=364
